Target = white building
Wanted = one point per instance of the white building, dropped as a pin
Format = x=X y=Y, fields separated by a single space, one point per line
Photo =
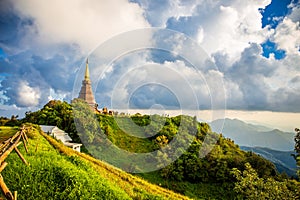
x=59 y=134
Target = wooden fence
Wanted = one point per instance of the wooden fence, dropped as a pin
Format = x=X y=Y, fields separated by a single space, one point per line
x=6 y=148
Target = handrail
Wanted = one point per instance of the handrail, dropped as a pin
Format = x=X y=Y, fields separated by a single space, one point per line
x=6 y=148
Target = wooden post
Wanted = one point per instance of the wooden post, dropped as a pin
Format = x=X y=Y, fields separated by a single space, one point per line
x=5 y=143
x=7 y=152
x=3 y=165
x=24 y=142
x=26 y=138
x=20 y=155
x=5 y=189
x=5 y=149
x=15 y=136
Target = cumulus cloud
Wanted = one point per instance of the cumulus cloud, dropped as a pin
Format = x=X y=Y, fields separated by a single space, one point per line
x=79 y=22
x=45 y=43
x=234 y=26
x=171 y=84
x=158 y=12
x=51 y=76
x=258 y=83
x=26 y=95
x=287 y=36
x=219 y=26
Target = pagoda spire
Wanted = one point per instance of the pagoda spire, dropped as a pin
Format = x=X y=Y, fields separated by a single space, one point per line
x=87 y=72
x=86 y=92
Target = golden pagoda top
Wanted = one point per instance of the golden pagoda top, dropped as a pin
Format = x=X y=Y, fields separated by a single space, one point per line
x=87 y=73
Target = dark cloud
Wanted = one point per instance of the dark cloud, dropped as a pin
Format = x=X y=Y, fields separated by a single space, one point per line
x=40 y=73
x=286 y=100
x=248 y=73
x=251 y=63
x=295 y=80
x=149 y=95
x=31 y=66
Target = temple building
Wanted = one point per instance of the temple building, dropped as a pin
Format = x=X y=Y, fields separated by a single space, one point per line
x=86 y=92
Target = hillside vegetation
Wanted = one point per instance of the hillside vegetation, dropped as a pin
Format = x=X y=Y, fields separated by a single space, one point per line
x=58 y=172
x=226 y=172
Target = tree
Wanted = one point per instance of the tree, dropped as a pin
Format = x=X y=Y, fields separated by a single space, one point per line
x=55 y=113
x=297 y=141
x=13 y=121
x=85 y=120
x=297 y=148
x=161 y=140
x=250 y=186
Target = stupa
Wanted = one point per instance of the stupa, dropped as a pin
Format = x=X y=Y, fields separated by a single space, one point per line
x=86 y=92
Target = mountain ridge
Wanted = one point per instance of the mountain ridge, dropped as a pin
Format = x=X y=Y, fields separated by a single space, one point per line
x=283 y=160
x=246 y=134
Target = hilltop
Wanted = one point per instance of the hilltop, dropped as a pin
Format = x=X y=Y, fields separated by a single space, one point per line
x=225 y=172
x=58 y=172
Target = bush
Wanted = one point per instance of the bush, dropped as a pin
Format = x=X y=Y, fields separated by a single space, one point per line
x=250 y=186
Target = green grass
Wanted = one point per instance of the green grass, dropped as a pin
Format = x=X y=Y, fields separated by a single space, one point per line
x=6 y=132
x=51 y=175
x=129 y=137
x=135 y=187
x=58 y=172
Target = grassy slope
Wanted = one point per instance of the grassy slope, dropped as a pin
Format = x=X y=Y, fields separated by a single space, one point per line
x=6 y=132
x=61 y=173
x=135 y=187
x=125 y=137
x=51 y=175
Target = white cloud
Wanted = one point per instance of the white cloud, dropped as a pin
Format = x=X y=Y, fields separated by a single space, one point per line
x=218 y=25
x=231 y=26
x=28 y=96
x=229 y=30
x=193 y=88
x=159 y=11
x=86 y=23
x=58 y=95
x=287 y=36
x=257 y=83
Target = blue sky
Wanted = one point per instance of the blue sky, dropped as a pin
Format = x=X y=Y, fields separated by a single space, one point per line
x=252 y=45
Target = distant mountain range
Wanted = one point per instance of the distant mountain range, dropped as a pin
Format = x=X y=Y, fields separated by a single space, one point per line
x=283 y=160
x=245 y=134
x=272 y=144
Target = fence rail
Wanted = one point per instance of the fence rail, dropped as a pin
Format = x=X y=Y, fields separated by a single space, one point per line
x=6 y=148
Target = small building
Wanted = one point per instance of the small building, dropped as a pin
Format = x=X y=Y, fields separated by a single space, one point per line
x=59 y=134
x=74 y=146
